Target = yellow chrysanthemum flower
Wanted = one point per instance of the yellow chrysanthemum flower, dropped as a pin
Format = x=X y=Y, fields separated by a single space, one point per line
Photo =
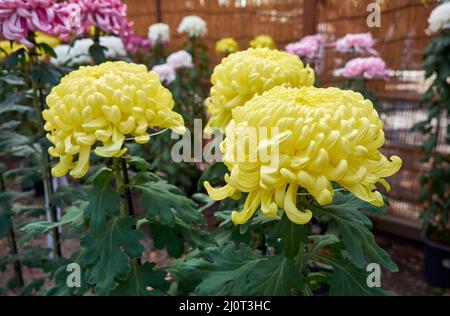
x=226 y=45
x=51 y=41
x=104 y=104
x=244 y=74
x=6 y=48
x=263 y=41
x=323 y=135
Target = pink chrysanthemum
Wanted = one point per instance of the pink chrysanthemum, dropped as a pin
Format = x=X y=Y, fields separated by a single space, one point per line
x=19 y=18
x=309 y=47
x=369 y=68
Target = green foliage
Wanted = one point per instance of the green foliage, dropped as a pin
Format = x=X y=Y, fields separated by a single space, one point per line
x=103 y=199
x=172 y=216
x=239 y=271
x=435 y=190
x=143 y=281
x=73 y=217
x=348 y=280
x=108 y=253
x=292 y=235
x=353 y=226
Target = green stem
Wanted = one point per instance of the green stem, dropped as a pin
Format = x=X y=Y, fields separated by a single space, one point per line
x=126 y=180
x=13 y=242
x=120 y=183
x=39 y=106
x=123 y=186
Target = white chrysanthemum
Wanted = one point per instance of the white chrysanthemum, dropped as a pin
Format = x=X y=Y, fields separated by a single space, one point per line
x=193 y=25
x=114 y=45
x=159 y=33
x=439 y=18
x=180 y=59
x=166 y=73
x=78 y=54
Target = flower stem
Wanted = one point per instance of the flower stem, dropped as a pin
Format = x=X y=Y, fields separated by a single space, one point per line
x=126 y=180
x=123 y=186
x=13 y=243
x=39 y=106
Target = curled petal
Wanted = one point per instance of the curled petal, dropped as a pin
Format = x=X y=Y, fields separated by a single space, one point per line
x=251 y=205
x=292 y=212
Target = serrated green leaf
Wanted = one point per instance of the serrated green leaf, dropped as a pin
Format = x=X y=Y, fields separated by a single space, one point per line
x=241 y=271
x=103 y=199
x=108 y=255
x=351 y=224
x=143 y=281
x=348 y=280
x=165 y=202
x=228 y=270
x=276 y=276
x=73 y=216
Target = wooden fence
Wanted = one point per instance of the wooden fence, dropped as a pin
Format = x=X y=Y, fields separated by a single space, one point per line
x=400 y=41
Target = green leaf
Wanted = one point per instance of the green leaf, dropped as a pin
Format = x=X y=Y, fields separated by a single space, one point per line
x=11 y=104
x=291 y=234
x=73 y=216
x=98 y=53
x=103 y=199
x=48 y=49
x=143 y=281
x=60 y=287
x=13 y=80
x=108 y=255
x=13 y=59
x=348 y=280
x=167 y=237
x=5 y=221
x=276 y=276
x=32 y=287
x=6 y=200
x=241 y=271
x=228 y=270
x=48 y=74
x=164 y=202
x=321 y=241
x=352 y=226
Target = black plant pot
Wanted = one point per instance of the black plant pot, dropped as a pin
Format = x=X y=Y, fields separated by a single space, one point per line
x=437 y=264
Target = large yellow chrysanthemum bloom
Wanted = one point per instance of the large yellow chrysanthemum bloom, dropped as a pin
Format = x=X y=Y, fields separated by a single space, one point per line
x=323 y=135
x=104 y=104
x=263 y=41
x=227 y=45
x=242 y=75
